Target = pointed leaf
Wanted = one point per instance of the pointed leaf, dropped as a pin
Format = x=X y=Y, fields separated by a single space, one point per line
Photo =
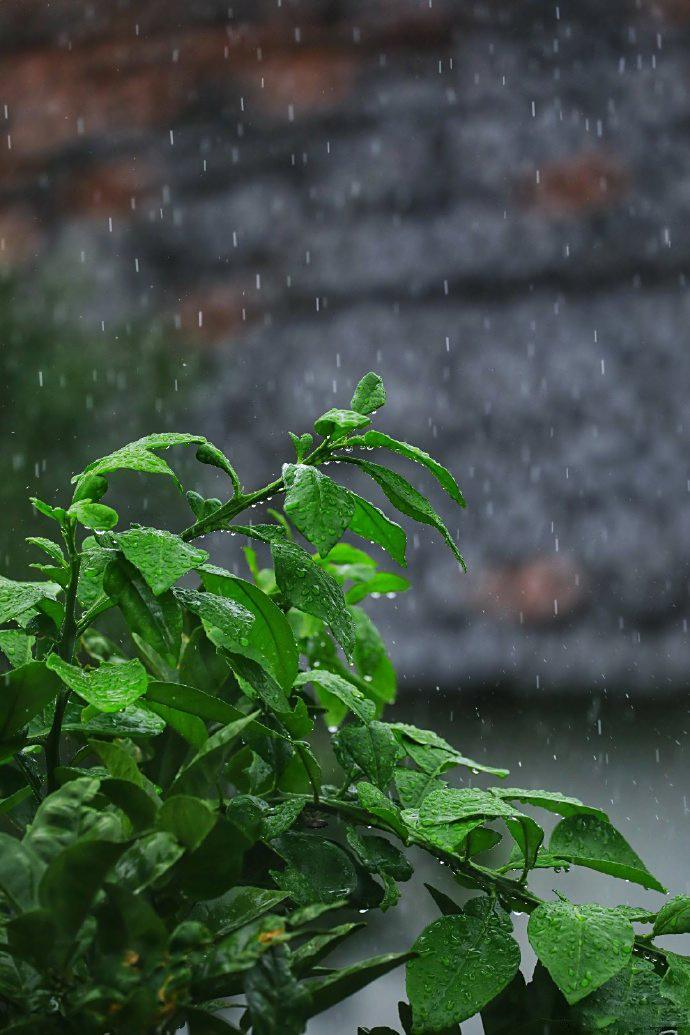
x=16 y=598
x=309 y=588
x=377 y=440
x=110 y=687
x=582 y=947
x=161 y=557
x=319 y=507
x=369 y=394
x=372 y=524
x=463 y=961
x=271 y=641
x=592 y=842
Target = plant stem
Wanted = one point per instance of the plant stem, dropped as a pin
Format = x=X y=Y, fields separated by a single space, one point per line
x=489 y=880
x=220 y=518
x=65 y=648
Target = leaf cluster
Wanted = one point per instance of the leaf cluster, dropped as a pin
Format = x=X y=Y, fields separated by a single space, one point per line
x=196 y=810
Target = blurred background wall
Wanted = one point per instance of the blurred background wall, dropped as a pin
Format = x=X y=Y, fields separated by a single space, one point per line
x=219 y=217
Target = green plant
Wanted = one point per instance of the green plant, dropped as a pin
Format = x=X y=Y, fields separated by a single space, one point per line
x=184 y=803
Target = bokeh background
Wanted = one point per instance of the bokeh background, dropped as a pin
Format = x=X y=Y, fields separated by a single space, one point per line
x=216 y=218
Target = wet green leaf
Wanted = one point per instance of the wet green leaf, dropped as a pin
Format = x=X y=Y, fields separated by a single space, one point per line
x=110 y=687
x=592 y=842
x=370 y=394
x=309 y=588
x=337 y=423
x=377 y=440
x=317 y=506
x=582 y=947
x=161 y=557
x=16 y=598
x=463 y=961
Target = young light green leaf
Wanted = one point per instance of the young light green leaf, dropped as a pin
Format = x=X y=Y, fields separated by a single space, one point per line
x=337 y=423
x=16 y=598
x=317 y=506
x=377 y=440
x=380 y=805
x=462 y=962
x=309 y=588
x=370 y=394
x=433 y=740
x=406 y=499
x=372 y=524
x=48 y=547
x=110 y=687
x=161 y=557
x=94 y=515
x=592 y=842
x=270 y=640
x=582 y=947
x=379 y=583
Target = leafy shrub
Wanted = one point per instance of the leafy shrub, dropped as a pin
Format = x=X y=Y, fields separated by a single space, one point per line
x=177 y=851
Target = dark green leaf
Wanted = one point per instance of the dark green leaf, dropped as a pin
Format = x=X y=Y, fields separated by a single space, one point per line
x=319 y=507
x=369 y=394
x=72 y=880
x=372 y=748
x=202 y=771
x=377 y=440
x=216 y=864
x=592 y=842
x=157 y=620
x=582 y=947
x=161 y=557
x=330 y=989
x=24 y=693
x=407 y=500
x=270 y=640
x=309 y=588
x=278 y=1003
x=318 y=870
x=188 y=819
x=463 y=961
x=20 y=872
x=147 y=859
x=379 y=805
x=430 y=739
x=237 y=907
x=674 y=917
x=372 y=524
x=17 y=646
x=227 y=623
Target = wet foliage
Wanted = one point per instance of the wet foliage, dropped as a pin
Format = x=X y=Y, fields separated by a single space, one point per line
x=200 y=796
